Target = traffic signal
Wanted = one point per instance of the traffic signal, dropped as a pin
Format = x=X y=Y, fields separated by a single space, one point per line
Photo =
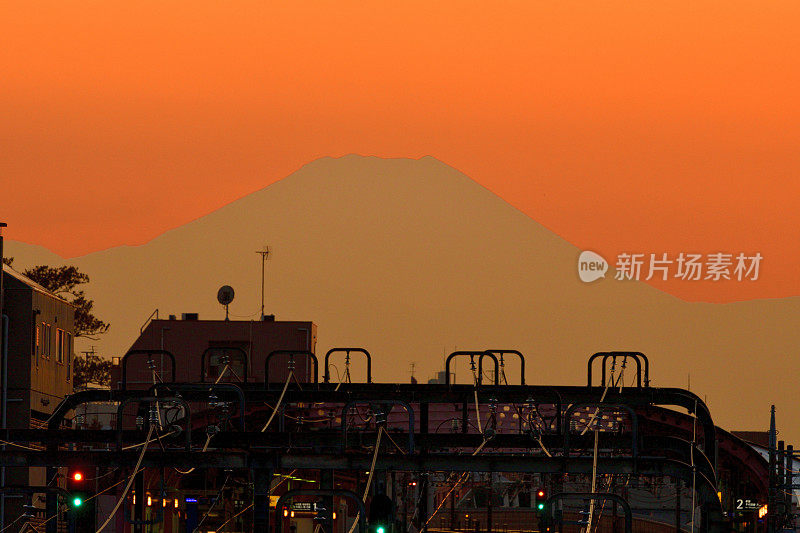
x=541 y=500
x=76 y=485
x=541 y=508
x=381 y=514
x=80 y=501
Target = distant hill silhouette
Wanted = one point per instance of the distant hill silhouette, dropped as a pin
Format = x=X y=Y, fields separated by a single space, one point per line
x=412 y=259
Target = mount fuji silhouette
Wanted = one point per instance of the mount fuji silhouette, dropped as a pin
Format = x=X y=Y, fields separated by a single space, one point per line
x=412 y=259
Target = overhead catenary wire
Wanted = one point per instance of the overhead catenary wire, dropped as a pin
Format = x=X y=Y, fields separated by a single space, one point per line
x=609 y=383
x=594 y=480
x=154 y=439
x=221 y=374
x=130 y=481
x=205 y=447
x=17 y=519
x=475 y=391
x=43 y=523
x=210 y=435
x=213 y=503
x=603 y=506
x=621 y=373
x=306 y=420
x=372 y=466
x=294 y=377
x=369 y=477
x=18 y=445
x=338 y=376
x=281 y=480
x=612 y=382
x=225 y=523
x=458 y=483
x=416 y=505
x=544 y=448
x=401 y=450
x=101 y=476
x=280 y=399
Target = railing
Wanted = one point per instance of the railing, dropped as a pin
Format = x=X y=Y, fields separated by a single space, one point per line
x=146 y=322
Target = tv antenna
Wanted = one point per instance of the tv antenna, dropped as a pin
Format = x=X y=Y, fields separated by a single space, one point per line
x=264 y=253
x=225 y=296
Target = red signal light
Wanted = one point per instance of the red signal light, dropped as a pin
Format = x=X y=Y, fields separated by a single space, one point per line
x=77 y=476
x=540 y=494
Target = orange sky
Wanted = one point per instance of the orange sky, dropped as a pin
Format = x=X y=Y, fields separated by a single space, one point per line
x=622 y=126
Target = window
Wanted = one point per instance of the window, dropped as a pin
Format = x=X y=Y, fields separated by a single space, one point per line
x=45 y=347
x=37 y=343
x=68 y=354
x=60 y=346
x=47 y=340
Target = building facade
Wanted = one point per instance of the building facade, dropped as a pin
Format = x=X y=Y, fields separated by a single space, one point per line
x=203 y=348
x=41 y=332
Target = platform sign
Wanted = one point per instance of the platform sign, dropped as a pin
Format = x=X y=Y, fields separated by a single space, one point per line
x=747 y=505
x=308 y=507
x=303 y=506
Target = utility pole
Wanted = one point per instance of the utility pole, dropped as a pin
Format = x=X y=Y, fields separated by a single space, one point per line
x=264 y=256
x=4 y=365
x=89 y=353
x=2 y=225
x=772 y=491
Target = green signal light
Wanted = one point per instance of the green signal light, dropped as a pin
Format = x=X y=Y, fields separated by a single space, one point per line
x=380 y=530
x=76 y=502
x=540 y=506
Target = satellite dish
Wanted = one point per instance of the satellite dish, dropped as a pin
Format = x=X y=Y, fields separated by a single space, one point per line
x=225 y=297
x=225 y=294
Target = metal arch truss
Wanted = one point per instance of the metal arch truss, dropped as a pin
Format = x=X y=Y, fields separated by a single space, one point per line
x=245 y=447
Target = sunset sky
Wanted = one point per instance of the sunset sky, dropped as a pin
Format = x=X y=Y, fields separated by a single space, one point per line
x=621 y=126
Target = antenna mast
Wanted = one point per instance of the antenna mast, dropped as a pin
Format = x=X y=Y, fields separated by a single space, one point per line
x=264 y=256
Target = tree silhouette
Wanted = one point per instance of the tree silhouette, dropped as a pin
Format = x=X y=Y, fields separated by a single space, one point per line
x=92 y=369
x=64 y=281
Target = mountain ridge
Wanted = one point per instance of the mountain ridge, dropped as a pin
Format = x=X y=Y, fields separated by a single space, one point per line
x=437 y=262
